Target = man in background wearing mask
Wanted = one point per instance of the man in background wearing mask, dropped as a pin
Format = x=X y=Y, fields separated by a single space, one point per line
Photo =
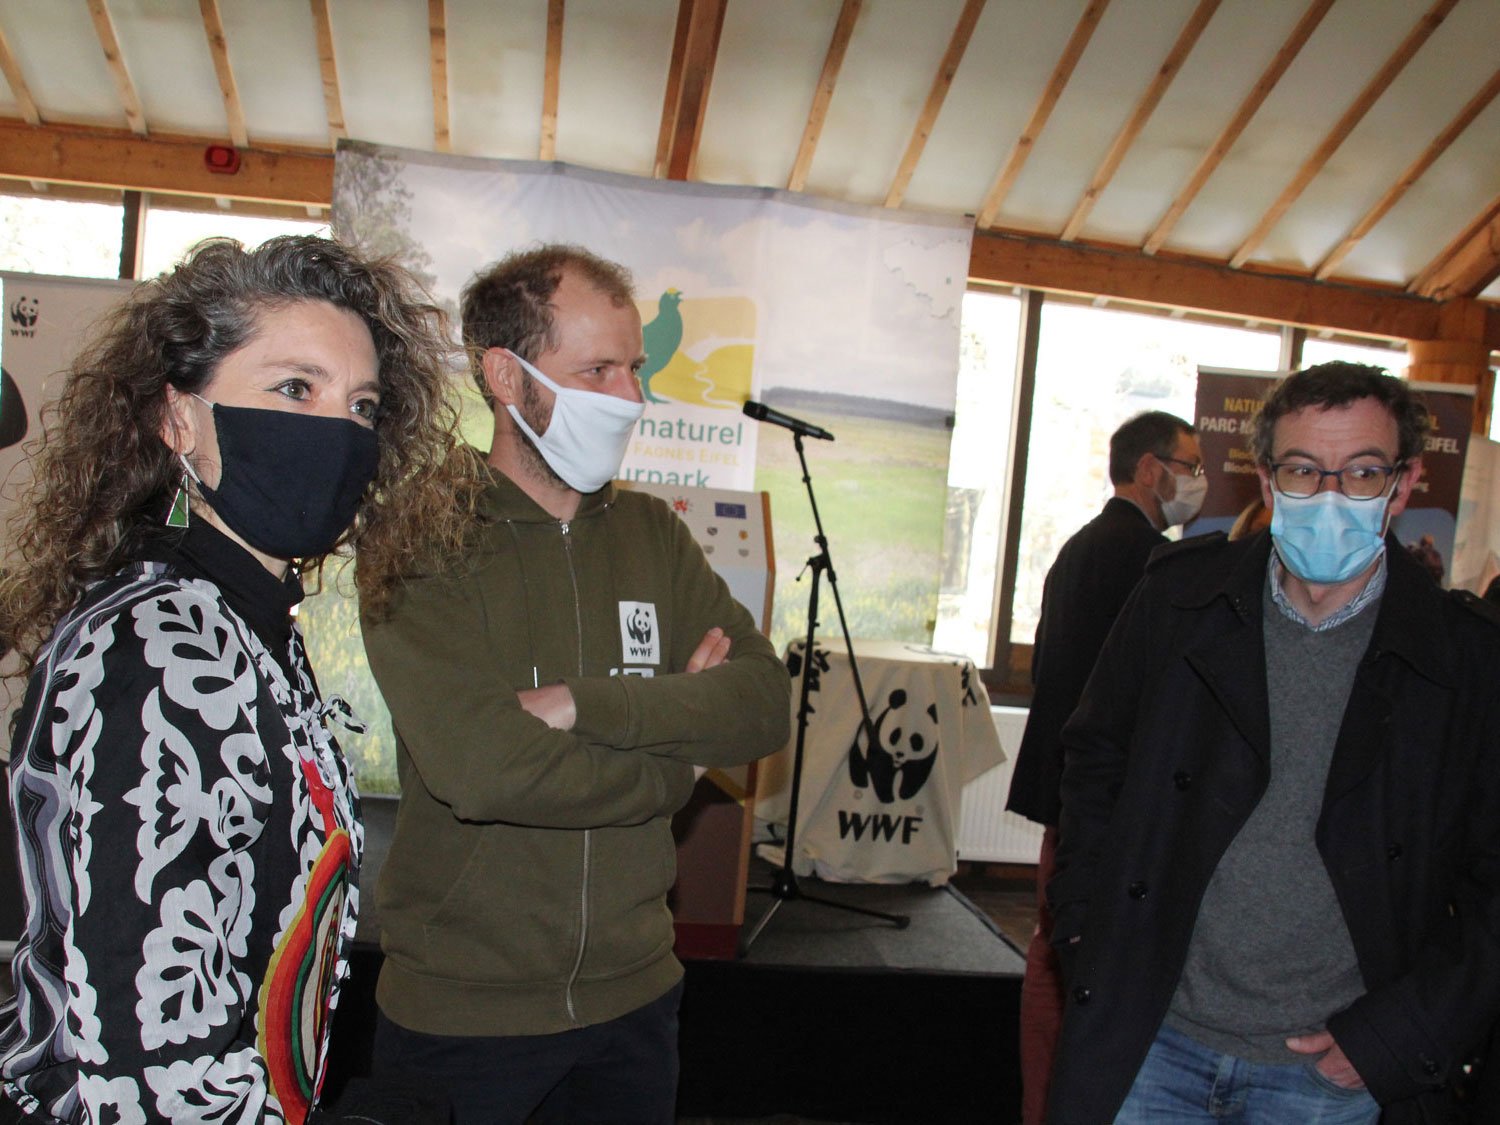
x=1278 y=872
x=553 y=701
x=1157 y=473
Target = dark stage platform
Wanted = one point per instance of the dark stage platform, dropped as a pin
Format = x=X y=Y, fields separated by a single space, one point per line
x=832 y=1016
x=839 y=1017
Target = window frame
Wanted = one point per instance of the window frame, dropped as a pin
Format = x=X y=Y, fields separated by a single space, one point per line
x=1007 y=675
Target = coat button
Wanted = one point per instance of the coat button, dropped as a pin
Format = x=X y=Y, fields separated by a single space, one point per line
x=1136 y=890
x=1182 y=779
x=1393 y=852
x=1429 y=1067
x=1082 y=995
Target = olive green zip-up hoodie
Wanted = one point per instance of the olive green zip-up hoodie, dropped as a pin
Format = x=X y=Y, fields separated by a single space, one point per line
x=525 y=889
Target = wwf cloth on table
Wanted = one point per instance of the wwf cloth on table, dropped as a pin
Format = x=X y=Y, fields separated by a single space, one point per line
x=882 y=806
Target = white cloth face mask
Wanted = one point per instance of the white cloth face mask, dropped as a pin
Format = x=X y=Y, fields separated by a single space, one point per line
x=586 y=439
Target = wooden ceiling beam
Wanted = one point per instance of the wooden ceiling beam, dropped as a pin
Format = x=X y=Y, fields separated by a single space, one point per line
x=1345 y=125
x=437 y=50
x=104 y=27
x=333 y=102
x=1011 y=169
x=114 y=159
x=1225 y=141
x=941 y=83
x=17 y=82
x=1205 y=286
x=694 y=51
x=551 y=81
x=673 y=93
x=1468 y=264
x=1142 y=114
x=1417 y=169
x=843 y=30
x=218 y=47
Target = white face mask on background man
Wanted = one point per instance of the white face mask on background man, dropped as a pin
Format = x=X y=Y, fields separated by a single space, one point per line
x=585 y=441
x=1188 y=500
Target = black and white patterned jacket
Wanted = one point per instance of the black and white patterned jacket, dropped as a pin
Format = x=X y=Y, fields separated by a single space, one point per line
x=188 y=837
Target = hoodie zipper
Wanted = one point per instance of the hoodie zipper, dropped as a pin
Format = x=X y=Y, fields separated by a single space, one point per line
x=588 y=838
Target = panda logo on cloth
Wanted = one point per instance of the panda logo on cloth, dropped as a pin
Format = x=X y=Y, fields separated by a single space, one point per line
x=640 y=639
x=897 y=753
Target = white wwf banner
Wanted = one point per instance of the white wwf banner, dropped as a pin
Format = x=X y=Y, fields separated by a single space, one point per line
x=47 y=322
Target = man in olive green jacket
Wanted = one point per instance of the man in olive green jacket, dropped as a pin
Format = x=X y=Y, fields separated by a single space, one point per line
x=554 y=699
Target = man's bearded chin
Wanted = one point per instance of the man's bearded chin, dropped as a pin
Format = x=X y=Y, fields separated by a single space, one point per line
x=538 y=416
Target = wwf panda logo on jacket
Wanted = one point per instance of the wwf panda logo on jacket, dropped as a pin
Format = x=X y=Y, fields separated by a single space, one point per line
x=903 y=750
x=638 y=625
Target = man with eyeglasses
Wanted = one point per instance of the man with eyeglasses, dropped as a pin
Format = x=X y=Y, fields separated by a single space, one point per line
x=1278 y=888
x=1157 y=474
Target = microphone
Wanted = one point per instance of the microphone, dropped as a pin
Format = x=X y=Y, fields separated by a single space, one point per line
x=763 y=413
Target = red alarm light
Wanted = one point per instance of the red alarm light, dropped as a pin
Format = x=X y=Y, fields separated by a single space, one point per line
x=223 y=159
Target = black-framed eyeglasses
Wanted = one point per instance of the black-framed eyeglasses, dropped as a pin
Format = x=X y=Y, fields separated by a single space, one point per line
x=1358 y=482
x=1194 y=468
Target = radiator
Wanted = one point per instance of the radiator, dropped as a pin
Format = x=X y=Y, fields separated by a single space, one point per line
x=986 y=832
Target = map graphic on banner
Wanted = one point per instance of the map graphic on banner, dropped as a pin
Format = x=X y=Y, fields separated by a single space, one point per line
x=1227 y=403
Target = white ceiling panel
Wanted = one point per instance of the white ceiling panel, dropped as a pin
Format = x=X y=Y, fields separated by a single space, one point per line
x=616 y=54
x=767 y=72
x=167 y=57
x=877 y=103
x=1122 y=58
x=1015 y=47
x=62 y=62
x=273 y=50
x=381 y=46
x=496 y=67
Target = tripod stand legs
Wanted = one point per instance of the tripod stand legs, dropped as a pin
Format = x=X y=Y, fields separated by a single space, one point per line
x=784 y=887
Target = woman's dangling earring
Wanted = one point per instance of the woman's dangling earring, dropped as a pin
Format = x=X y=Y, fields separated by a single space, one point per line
x=178 y=516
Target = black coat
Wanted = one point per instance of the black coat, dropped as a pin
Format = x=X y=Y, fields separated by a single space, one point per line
x=1168 y=754
x=1093 y=575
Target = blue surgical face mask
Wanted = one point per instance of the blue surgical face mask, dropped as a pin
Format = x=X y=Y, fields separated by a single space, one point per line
x=1327 y=538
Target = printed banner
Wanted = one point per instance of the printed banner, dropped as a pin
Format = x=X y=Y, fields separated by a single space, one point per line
x=847 y=316
x=1476 y=554
x=1227 y=403
x=47 y=322
x=740 y=289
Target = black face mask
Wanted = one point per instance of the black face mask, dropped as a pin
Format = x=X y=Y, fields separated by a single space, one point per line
x=289 y=484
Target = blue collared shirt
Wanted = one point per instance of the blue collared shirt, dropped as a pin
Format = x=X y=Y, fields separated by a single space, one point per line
x=1371 y=593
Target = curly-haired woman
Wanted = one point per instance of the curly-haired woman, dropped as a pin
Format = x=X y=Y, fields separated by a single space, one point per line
x=188 y=828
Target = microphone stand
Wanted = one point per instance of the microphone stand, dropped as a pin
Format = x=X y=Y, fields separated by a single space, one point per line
x=784 y=886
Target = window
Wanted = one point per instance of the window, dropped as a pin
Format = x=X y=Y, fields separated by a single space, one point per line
x=1095 y=368
x=60 y=236
x=978 y=470
x=170 y=234
x=1392 y=356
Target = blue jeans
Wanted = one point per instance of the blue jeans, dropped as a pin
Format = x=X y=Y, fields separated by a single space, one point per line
x=1183 y=1082
x=623 y=1072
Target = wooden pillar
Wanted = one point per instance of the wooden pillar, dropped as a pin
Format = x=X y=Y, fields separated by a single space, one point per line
x=1460 y=354
x=132 y=234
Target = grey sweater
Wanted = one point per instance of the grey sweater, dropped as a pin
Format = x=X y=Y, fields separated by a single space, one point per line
x=1270 y=955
